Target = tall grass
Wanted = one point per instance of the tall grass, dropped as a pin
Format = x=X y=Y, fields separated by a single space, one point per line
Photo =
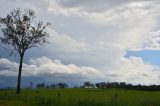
x=80 y=97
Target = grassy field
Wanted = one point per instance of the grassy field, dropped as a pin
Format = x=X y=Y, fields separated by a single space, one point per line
x=79 y=97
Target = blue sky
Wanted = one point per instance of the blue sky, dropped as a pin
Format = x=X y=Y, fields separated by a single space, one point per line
x=90 y=40
x=148 y=56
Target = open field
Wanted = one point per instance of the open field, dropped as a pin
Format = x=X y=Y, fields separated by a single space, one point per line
x=80 y=97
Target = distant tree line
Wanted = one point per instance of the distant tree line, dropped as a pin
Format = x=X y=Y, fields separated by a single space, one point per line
x=58 y=85
x=120 y=85
x=101 y=85
x=127 y=86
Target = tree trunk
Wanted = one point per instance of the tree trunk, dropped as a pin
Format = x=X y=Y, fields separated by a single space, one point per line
x=19 y=75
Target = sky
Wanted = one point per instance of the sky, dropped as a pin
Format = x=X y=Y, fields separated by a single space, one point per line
x=90 y=40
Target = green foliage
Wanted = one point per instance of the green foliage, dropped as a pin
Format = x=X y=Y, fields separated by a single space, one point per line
x=21 y=31
x=80 y=97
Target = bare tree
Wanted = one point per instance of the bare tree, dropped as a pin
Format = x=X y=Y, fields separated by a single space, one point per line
x=21 y=33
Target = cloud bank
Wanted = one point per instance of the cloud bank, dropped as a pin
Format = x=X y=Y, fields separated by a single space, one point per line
x=90 y=40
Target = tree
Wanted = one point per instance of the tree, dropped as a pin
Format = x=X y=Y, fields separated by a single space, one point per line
x=21 y=33
x=31 y=85
x=52 y=86
x=88 y=85
x=62 y=85
x=41 y=85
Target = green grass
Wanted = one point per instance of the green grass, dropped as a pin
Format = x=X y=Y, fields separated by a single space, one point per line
x=80 y=97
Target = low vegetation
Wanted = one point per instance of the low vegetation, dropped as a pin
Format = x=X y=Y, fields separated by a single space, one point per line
x=79 y=97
